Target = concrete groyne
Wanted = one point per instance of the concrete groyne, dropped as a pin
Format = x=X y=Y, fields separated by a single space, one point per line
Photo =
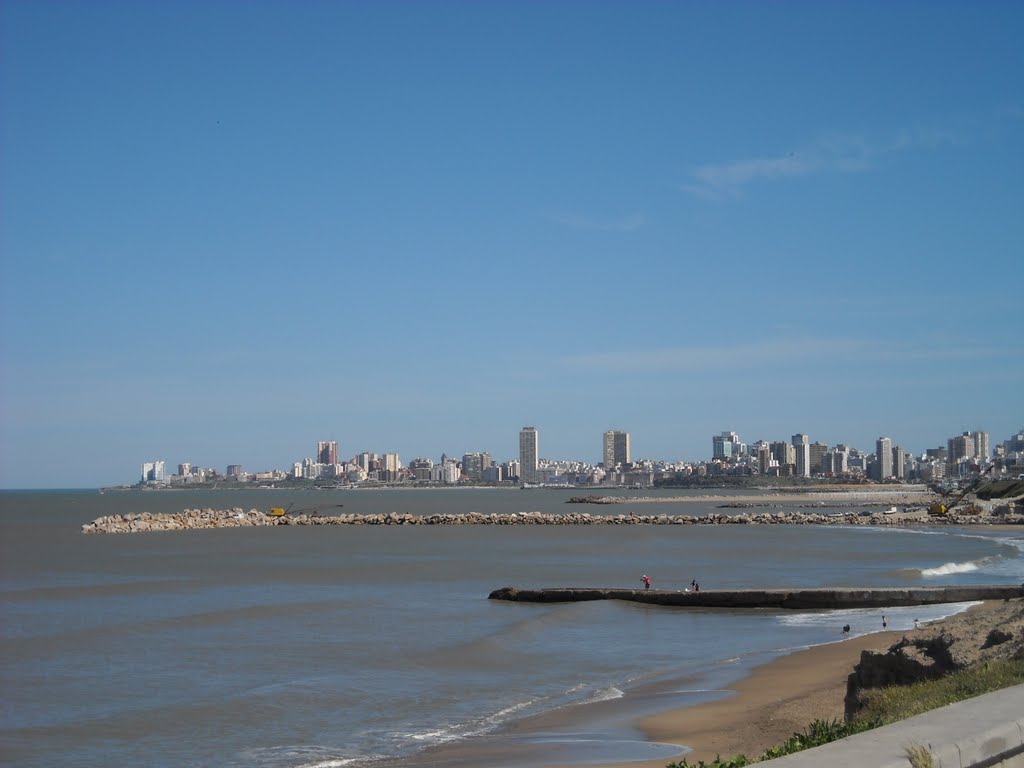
x=191 y=519
x=802 y=599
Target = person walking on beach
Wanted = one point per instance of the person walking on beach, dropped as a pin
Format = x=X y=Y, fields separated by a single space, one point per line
x=884 y=625
x=647 y=581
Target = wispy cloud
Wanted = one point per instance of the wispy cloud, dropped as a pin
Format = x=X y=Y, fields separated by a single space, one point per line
x=625 y=224
x=836 y=153
x=829 y=154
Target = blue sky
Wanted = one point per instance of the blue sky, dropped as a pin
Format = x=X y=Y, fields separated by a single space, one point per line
x=229 y=230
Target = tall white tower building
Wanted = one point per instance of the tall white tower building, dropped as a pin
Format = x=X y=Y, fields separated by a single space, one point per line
x=528 y=455
x=981 y=450
x=883 y=459
x=802 y=444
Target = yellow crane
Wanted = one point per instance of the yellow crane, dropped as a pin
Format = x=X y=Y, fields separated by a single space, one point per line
x=282 y=511
x=942 y=508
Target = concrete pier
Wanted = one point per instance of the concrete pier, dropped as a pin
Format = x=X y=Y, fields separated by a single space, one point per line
x=798 y=599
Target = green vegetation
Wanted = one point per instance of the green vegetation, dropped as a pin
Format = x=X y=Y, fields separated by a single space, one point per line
x=1000 y=489
x=817 y=733
x=735 y=762
x=890 y=705
x=895 y=703
x=820 y=732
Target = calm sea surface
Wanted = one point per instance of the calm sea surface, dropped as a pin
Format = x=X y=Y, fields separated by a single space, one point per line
x=302 y=646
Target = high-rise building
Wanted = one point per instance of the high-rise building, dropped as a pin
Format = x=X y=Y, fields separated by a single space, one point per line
x=960 y=447
x=883 y=459
x=783 y=453
x=421 y=468
x=764 y=457
x=327 y=452
x=817 y=453
x=803 y=455
x=981 y=451
x=529 y=461
x=726 y=445
x=474 y=464
x=1014 y=445
x=898 y=463
x=615 y=451
x=154 y=472
x=834 y=461
x=366 y=460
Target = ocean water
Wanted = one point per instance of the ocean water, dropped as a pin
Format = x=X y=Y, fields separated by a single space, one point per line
x=301 y=646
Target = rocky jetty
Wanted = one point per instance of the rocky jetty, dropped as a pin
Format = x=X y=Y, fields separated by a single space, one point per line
x=789 y=599
x=238 y=518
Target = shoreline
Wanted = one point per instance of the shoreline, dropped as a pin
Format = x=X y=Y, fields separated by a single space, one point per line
x=774 y=701
x=784 y=695
x=680 y=716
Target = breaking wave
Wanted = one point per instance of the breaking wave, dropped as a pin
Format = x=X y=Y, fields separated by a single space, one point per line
x=950 y=568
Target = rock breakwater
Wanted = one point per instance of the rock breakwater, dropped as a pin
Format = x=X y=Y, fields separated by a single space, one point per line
x=191 y=519
x=794 y=599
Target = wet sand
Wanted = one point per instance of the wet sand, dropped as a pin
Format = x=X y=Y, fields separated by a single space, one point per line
x=785 y=695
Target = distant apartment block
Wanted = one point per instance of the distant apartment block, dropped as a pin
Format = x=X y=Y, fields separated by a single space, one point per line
x=615 y=450
x=883 y=459
x=327 y=452
x=726 y=445
x=529 y=463
x=802 y=448
x=154 y=472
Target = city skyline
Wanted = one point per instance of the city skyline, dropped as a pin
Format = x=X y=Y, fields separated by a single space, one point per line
x=806 y=459
x=420 y=226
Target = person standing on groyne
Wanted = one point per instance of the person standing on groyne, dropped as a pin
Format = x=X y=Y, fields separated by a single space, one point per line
x=647 y=581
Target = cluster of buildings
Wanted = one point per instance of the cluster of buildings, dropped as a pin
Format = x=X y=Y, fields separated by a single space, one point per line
x=964 y=456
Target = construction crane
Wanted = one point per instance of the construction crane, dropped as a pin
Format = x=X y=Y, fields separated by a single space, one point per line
x=942 y=508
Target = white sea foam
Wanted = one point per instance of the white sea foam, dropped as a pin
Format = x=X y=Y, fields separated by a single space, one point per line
x=864 y=621
x=433 y=737
x=606 y=694
x=300 y=756
x=505 y=713
x=950 y=568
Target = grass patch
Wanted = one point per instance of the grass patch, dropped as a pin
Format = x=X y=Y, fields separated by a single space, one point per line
x=817 y=733
x=920 y=757
x=888 y=705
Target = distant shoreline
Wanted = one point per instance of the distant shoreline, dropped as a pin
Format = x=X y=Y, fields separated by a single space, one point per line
x=706 y=491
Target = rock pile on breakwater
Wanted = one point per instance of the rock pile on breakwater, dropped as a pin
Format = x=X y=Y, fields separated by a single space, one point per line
x=238 y=518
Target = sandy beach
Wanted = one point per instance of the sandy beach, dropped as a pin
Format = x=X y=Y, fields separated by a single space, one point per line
x=783 y=696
